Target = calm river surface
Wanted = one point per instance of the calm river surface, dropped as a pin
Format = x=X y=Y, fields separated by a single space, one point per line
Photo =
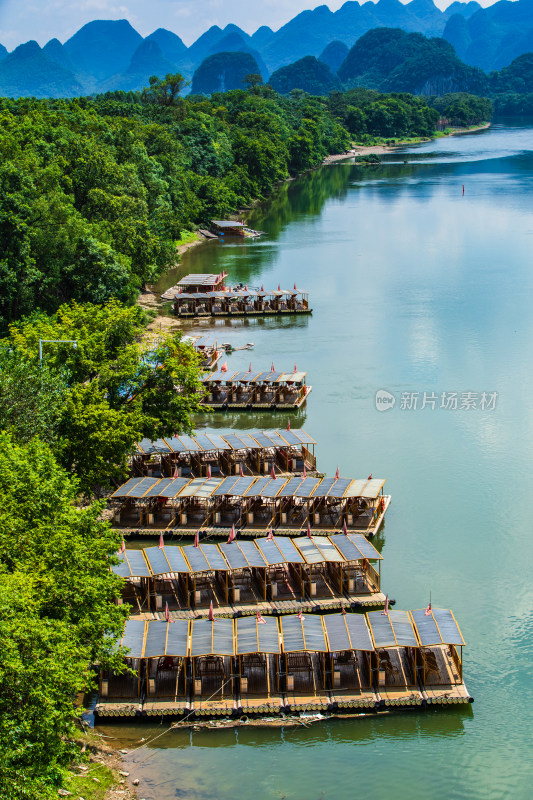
x=415 y=289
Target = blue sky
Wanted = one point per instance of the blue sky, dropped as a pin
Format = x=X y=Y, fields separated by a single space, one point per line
x=21 y=20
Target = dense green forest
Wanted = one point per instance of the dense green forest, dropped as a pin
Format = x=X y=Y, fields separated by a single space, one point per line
x=67 y=425
x=94 y=193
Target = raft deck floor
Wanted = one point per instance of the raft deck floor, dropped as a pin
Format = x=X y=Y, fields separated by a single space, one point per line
x=253 y=532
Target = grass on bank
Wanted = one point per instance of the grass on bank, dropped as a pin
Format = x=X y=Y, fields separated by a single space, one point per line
x=94 y=782
x=186 y=238
x=92 y=786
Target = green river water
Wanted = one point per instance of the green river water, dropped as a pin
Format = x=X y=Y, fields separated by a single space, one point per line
x=415 y=289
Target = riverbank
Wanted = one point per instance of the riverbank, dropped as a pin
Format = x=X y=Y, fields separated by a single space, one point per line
x=100 y=774
x=383 y=148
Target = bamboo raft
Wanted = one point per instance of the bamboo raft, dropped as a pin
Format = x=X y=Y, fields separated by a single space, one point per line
x=224 y=453
x=206 y=295
x=252 y=504
x=292 y=665
x=243 y=391
x=276 y=575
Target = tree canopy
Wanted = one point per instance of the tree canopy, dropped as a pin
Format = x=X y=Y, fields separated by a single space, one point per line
x=105 y=394
x=57 y=614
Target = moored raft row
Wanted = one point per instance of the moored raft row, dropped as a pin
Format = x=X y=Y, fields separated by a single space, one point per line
x=224 y=453
x=253 y=665
x=236 y=390
x=206 y=295
x=250 y=502
x=278 y=573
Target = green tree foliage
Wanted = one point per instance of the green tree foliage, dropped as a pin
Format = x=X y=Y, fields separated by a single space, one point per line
x=165 y=92
x=462 y=109
x=309 y=74
x=31 y=397
x=516 y=78
x=57 y=614
x=115 y=389
x=365 y=112
x=512 y=104
x=390 y=59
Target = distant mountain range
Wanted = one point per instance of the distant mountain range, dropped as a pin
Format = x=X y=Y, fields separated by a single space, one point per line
x=107 y=55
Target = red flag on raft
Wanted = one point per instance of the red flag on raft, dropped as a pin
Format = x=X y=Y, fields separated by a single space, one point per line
x=197 y=539
x=385 y=611
x=224 y=367
x=161 y=541
x=272 y=472
x=260 y=620
x=428 y=610
x=309 y=530
x=211 y=612
x=300 y=615
x=232 y=534
x=122 y=547
x=209 y=471
x=337 y=474
x=167 y=615
x=270 y=536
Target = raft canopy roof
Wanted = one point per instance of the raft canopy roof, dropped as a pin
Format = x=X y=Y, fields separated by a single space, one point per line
x=303 y=634
x=252 y=636
x=167 y=640
x=438 y=627
x=133 y=638
x=132 y=565
x=243 y=553
x=394 y=629
x=279 y=551
x=354 y=547
x=317 y=549
x=347 y=632
x=227 y=223
x=235 y=486
x=166 y=560
x=331 y=633
x=212 y=637
x=207 y=441
x=200 y=279
x=221 y=376
x=205 y=558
